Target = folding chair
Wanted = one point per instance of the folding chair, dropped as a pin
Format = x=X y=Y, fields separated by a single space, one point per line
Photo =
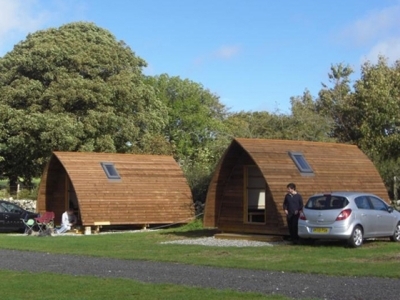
x=45 y=221
x=50 y=219
x=29 y=224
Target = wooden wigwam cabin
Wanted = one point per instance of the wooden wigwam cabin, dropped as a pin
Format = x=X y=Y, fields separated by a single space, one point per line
x=115 y=189
x=246 y=193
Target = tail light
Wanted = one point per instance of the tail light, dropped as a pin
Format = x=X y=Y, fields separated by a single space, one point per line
x=344 y=215
x=302 y=216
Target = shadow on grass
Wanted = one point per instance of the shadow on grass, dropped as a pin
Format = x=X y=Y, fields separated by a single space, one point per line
x=369 y=243
x=326 y=243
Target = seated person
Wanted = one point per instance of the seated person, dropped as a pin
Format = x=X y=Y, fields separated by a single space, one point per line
x=68 y=220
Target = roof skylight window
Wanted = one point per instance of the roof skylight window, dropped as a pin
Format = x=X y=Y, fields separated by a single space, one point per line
x=110 y=170
x=301 y=163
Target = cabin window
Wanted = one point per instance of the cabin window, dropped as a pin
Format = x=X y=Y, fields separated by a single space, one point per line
x=301 y=163
x=110 y=170
x=254 y=195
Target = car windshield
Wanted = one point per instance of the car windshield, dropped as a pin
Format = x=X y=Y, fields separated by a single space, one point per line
x=326 y=202
x=9 y=207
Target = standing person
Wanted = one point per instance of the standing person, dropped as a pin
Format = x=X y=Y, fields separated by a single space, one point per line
x=292 y=205
x=68 y=220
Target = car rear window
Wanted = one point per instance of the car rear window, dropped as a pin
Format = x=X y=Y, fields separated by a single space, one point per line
x=326 y=202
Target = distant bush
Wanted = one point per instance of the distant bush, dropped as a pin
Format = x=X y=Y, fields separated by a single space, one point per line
x=3 y=184
x=25 y=192
x=28 y=194
x=193 y=225
x=4 y=193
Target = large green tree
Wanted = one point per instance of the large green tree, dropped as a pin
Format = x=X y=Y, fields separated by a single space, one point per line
x=74 y=88
x=257 y=124
x=304 y=123
x=336 y=100
x=195 y=117
x=367 y=113
x=195 y=128
x=377 y=99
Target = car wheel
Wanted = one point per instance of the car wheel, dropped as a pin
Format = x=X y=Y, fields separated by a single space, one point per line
x=356 y=238
x=396 y=235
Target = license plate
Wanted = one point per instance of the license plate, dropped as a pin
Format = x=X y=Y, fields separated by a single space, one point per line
x=320 y=230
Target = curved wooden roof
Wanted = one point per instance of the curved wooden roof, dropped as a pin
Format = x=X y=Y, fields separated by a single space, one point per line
x=152 y=188
x=336 y=167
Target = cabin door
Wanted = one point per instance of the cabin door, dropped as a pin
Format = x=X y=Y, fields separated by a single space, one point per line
x=254 y=195
x=71 y=199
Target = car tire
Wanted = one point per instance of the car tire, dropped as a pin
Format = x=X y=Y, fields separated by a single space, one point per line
x=356 y=238
x=396 y=234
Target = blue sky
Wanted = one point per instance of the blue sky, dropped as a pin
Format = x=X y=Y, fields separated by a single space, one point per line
x=253 y=54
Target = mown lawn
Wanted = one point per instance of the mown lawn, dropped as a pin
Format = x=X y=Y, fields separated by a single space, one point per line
x=376 y=258
x=24 y=285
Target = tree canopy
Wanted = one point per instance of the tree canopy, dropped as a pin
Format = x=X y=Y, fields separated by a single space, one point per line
x=366 y=113
x=304 y=123
x=75 y=88
x=377 y=99
x=195 y=129
x=195 y=118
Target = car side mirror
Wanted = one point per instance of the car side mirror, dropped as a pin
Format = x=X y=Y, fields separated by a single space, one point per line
x=390 y=209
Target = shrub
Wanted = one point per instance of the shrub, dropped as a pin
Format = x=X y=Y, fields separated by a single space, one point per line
x=27 y=194
x=4 y=193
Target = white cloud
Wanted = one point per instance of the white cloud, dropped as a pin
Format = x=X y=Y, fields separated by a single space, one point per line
x=374 y=26
x=17 y=17
x=378 y=33
x=224 y=52
x=389 y=48
x=21 y=17
x=227 y=52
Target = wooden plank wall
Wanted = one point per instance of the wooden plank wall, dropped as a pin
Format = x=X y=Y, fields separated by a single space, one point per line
x=152 y=189
x=51 y=194
x=216 y=188
x=228 y=215
x=336 y=167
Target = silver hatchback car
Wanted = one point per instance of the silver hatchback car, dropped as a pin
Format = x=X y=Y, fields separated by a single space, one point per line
x=351 y=216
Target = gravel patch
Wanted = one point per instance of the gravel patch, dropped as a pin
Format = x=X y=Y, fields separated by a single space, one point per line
x=211 y=241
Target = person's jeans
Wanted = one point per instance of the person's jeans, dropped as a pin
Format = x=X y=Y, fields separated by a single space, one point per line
x=293 y=221
x=63 y=229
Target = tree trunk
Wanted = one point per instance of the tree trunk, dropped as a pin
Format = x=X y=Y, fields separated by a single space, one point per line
x=13 y=181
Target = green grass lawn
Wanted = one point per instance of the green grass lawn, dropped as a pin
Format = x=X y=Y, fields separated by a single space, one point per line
x=24 y=285
x=377 y=258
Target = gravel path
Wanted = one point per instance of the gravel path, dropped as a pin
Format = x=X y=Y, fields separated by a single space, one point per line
x=296 y=286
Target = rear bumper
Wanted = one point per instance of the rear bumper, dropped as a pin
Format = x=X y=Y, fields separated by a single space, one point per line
x=332 y=232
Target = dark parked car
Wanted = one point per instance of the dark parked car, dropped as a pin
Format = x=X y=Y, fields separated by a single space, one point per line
x=351 y=216
x=11 y=216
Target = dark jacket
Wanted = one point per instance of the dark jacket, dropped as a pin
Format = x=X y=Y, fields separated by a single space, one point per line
x=291 y=203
